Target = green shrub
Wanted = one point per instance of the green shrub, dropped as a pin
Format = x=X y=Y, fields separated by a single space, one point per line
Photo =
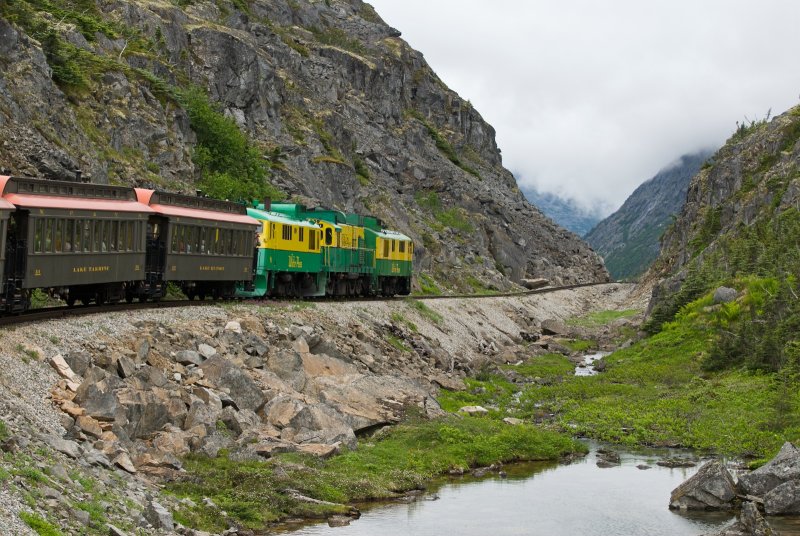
x=231 y=166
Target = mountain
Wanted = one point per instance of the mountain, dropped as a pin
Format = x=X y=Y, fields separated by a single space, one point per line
x=565 y=212
x=628 y=239
x=319 y=102
x=738 y=235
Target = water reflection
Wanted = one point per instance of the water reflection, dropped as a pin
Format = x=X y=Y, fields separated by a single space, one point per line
x=545 y=499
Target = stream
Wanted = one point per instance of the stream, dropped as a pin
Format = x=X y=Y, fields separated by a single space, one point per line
x=549 y=499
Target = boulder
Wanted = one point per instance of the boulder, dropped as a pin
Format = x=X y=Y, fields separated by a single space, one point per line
x=783 y=499
x=79 y=361
x=244 y=392
x=532 y=284
x=288 y=366
x=234 y=327
x=725 y=295
x=554 y=327
x=145 y=412
x=281 y=410
x=62 y=368
x=319 y=424
x=206 y=350
x=711 y=488
x=239 y=421
x=97 y=395
x=202 y=414
x=158 y=516
x=783 y=467
x=189 y=357
x=473 y=410
x=64 y=446
x=749 y=523
x=126 y=367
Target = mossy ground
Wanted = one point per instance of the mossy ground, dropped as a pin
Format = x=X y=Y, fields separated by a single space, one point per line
x=403 y=458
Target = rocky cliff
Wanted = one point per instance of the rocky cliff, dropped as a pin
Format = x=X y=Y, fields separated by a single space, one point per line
x=628 y=239
x=740 y=218
x=339 y=110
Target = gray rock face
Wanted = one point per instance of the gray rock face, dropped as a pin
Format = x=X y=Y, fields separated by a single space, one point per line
x=711 y=488
x=370 y=103
x=736 y=190
x=785 y=466
x=783 y=499
x=243 y=390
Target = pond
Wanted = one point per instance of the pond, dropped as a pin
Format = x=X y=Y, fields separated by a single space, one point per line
x=547 y=499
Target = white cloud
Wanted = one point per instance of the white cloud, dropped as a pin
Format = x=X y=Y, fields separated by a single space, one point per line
x=590 y=99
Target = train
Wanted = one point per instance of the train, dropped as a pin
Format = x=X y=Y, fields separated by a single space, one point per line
x=97 y=243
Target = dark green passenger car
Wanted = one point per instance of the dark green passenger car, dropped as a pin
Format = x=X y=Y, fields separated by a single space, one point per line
x=79 y=241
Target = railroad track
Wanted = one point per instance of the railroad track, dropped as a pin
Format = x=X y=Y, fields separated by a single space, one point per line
x=55 y=313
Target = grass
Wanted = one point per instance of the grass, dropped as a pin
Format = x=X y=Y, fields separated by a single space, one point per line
x=426 y=312
x=39 y=525
x=656 y=393
x=548 y=366
x=428 y=285
x=401 y=459
x=398 y=318
x=397 y=343
x=601 y=318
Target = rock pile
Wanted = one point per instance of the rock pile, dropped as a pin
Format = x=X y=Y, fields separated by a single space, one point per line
x=774 y=488
x=250 y=388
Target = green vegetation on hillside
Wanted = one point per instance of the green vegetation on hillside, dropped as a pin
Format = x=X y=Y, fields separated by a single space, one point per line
x=441 y=143
x=231 y=166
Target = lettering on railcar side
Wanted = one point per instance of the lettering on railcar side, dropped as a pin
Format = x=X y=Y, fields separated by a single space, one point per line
x=295 y=261
x=87 y=269
x=206 y=268
x=395 y=268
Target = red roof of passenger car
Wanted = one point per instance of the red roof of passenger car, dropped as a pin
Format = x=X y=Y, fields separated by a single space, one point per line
x=144 y=196
x=5 y=205
x=65 y=202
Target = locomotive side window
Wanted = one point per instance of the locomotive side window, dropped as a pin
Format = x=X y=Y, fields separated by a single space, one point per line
x=300 y=236
x=402 y=247
x=312 y=239
x=287 y=232
x=386 y=249
x=328 y=236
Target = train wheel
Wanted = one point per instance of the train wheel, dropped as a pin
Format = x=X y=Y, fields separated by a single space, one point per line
x=128 y=298
x=70 y=301
x=190 y=294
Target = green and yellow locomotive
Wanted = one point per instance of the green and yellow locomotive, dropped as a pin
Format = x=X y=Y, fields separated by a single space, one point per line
x=327 y=252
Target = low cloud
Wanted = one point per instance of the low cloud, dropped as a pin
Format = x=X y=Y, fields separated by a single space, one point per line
x=590 y=99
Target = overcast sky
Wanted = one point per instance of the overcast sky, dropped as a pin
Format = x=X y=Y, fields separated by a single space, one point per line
x=591 y=98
